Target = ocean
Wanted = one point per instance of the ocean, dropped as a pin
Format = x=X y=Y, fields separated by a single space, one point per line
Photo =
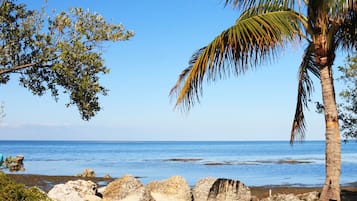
x=255 y=163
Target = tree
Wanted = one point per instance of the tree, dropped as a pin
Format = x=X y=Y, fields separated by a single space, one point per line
x=263 y=29
x=348 y=109
x=60 y=54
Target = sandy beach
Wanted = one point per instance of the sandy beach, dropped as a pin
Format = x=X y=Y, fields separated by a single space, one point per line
x=44 y=182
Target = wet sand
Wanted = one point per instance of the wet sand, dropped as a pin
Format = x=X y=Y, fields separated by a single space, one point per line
x=44 y=182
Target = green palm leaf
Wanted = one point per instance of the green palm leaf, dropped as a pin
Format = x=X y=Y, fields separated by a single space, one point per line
x=258 y=3
x=254 y=39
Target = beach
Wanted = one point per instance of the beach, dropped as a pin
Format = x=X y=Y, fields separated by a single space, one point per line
x=45 y=182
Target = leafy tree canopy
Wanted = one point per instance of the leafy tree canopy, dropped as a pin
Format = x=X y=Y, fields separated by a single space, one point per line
x=348 y=109
x=59 y=53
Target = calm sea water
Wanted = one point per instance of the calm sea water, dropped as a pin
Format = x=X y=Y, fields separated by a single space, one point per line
x=254 y=163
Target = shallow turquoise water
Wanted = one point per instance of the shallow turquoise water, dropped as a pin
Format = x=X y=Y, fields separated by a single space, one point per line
x=253 y=162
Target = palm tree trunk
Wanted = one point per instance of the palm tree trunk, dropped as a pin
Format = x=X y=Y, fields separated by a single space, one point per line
x=331 y=189
x=324 y=58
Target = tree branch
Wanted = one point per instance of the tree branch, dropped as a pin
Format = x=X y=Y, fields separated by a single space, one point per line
x=15 y=68
x=3 y=2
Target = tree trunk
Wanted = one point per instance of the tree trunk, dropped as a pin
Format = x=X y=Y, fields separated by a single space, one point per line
x=331 y=189
x=324 y=59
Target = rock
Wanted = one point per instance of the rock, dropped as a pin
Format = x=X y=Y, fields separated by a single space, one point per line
x=228 y=190
x=15 y=164
x=184 y=159
x=88 y=173
x=19 y=159
x=125 y=188
x=107 y=176
x=62 y=192
x=84 y=187
x=282 y=197
x=92 y=198
x=311 y=196
x=172 y=189
x=102 y=189
x=79 y=190
x=201 y=190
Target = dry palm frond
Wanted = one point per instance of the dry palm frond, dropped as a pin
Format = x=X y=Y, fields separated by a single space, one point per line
x=305 y=88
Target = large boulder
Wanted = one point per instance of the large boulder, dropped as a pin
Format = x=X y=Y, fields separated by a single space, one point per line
x=228 y=190
x=202 y=188
x=174 y=188
x=62 y=192
x=78 y=190
x=125 y=188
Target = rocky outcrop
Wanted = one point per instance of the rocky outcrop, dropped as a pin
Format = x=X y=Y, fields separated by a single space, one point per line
x=128 y=188
x=78 y=190
x=125 y=188
x=228 y=190
x=172 y=189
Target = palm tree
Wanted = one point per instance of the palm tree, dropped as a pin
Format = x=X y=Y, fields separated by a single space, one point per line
x=266 y=27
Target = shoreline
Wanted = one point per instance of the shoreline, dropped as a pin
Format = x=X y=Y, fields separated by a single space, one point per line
x=46 y=182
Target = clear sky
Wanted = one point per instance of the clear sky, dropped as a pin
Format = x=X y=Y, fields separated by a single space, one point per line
x=257 y=106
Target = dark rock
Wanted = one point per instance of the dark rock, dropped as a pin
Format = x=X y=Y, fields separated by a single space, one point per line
x=217 y=163
x=227 y=190
x=184 y=159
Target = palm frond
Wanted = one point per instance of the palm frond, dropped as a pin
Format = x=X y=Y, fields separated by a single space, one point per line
x=347 y=33
x=247 y=4
x=186 y=71
x=305 y=88
x=252 y=40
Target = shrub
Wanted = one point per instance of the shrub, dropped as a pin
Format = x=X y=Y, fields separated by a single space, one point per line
x=11 y=191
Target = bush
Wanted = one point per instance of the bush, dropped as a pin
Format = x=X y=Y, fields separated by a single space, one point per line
x=11 y=191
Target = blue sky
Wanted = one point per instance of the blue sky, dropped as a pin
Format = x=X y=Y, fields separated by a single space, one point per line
x=257 y=106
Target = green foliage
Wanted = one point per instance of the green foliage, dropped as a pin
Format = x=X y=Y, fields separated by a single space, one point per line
x=11 y=191
x=59 y=54
x=348 y=109
x=264 y=28
x=256 y=37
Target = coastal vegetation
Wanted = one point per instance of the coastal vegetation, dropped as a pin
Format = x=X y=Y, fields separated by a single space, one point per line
x=12 y=191
x=264 y=29
x=59 y=53
x=348 y=109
